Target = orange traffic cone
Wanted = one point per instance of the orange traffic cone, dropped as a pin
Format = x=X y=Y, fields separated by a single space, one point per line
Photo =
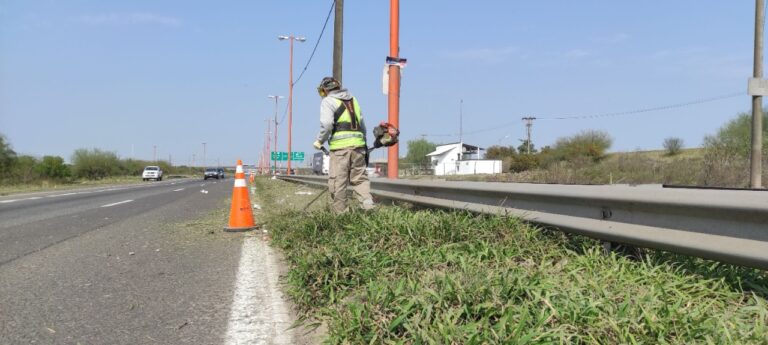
x=240 y=214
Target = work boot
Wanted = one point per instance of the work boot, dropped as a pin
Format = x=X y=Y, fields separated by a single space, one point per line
x=368 y=205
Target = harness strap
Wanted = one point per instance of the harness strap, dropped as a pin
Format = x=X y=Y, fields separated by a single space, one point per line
x=353 y=125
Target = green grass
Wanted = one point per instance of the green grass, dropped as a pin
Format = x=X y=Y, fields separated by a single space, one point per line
x=399 y=275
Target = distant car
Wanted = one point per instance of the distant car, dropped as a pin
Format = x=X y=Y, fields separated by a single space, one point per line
x=152 y=172
x=320 y=163
x=212 y=173
x=221 y=173
x=372 y=172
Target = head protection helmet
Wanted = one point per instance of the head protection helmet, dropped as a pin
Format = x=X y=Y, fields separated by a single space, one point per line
x=326 y=85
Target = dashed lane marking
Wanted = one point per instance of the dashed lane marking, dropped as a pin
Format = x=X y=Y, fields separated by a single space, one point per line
x=117 y=203
x=178 y=190
x=58 y=195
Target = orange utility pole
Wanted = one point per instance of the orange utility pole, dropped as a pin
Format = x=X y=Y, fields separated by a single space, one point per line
x=290 y=38
x=394 y=85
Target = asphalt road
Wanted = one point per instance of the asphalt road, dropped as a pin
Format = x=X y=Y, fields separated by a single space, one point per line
x=118 y=265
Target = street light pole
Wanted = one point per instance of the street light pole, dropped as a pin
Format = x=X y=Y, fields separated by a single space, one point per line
x=266 y=153
x=274 y=161
x=394 y=85
x=290 y=38
x=203 y=155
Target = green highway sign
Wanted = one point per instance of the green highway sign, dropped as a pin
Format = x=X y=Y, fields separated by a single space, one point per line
x=283 y=156
x=279 y=156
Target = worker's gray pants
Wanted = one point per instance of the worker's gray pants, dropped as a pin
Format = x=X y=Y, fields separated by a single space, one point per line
x=347 y=167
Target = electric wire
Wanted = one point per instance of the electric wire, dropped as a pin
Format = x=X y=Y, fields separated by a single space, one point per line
x=592 y=116
x=333 y=5
x=644 y=110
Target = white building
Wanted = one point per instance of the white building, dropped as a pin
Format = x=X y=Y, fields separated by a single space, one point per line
x=461 y=159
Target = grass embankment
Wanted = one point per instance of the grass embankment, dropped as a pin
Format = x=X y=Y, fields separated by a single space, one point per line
x=398 y=275
x=693 y=167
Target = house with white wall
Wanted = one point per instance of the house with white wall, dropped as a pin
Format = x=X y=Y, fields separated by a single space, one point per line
x=461 y=159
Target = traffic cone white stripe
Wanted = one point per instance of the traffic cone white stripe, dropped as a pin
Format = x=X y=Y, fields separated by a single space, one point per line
x=239 y=169
x=239 y=183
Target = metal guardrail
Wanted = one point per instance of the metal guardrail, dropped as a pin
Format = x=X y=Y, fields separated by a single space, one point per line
x=724 y=225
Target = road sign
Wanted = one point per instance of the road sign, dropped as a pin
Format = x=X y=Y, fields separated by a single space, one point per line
x=283 y=156
x=280 y=156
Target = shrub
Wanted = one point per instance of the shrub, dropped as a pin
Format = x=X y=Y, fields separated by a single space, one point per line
x=591 y=144
x=52 y=167
x=500 y=152
x=95 y=164
x=23 y=169
x=7 y=157
x=736 y=135
x=673 y=146
x=523 y=162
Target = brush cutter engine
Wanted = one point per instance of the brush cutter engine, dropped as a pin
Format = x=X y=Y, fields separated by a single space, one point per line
x=385 y=134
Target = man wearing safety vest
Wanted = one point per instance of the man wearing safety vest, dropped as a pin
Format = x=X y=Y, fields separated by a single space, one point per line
x=341 y=124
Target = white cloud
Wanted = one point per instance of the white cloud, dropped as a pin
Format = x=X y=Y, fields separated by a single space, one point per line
x=128 y=19
x=488 y=55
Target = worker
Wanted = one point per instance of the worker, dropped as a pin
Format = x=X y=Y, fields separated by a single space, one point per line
x=341 y=124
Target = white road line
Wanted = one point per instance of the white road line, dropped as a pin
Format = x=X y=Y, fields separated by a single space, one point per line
x=57 y=195
x=34 y=198
x=7 y=201
x=178 y=190
x=117 y=203
x=259 y=314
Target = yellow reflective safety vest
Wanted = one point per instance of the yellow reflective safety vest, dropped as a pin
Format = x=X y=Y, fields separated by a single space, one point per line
x=347 y=133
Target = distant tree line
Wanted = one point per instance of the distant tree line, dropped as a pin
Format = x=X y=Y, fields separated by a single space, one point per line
x=86 y=164
x=586 y=146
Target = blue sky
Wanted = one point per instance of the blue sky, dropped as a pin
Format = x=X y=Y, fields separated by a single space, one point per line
x=123 y=76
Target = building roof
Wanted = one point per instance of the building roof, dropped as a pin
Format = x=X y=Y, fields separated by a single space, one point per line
x=440 y=150
x=466 y=146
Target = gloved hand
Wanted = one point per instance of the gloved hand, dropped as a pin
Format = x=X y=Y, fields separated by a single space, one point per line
x=317 y=145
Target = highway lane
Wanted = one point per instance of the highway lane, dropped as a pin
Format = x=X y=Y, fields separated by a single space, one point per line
x=117 y=265
x=32 y=222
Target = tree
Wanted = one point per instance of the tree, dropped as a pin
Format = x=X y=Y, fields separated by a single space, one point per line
x=499 y=152
x=673 y=145
x=52 y=167
x=523 y=148
x=418 y=150
x=735 y=137
x=23 y=169
x=590 y=144
x=94 y=164
x=7 y=156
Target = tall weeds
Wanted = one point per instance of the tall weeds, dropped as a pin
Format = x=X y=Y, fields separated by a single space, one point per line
x=399 y=275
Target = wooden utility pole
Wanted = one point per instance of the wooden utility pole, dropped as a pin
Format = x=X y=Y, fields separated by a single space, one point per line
x=393 y=102
x=756 y=158
x=338 y=39
x=528 y=125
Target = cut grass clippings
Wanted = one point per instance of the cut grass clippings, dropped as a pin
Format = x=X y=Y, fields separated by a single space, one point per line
x=399 y=275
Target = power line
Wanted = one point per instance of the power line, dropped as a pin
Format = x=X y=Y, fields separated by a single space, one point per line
x=613 y=114
x=333 y=4
x=646 y=110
